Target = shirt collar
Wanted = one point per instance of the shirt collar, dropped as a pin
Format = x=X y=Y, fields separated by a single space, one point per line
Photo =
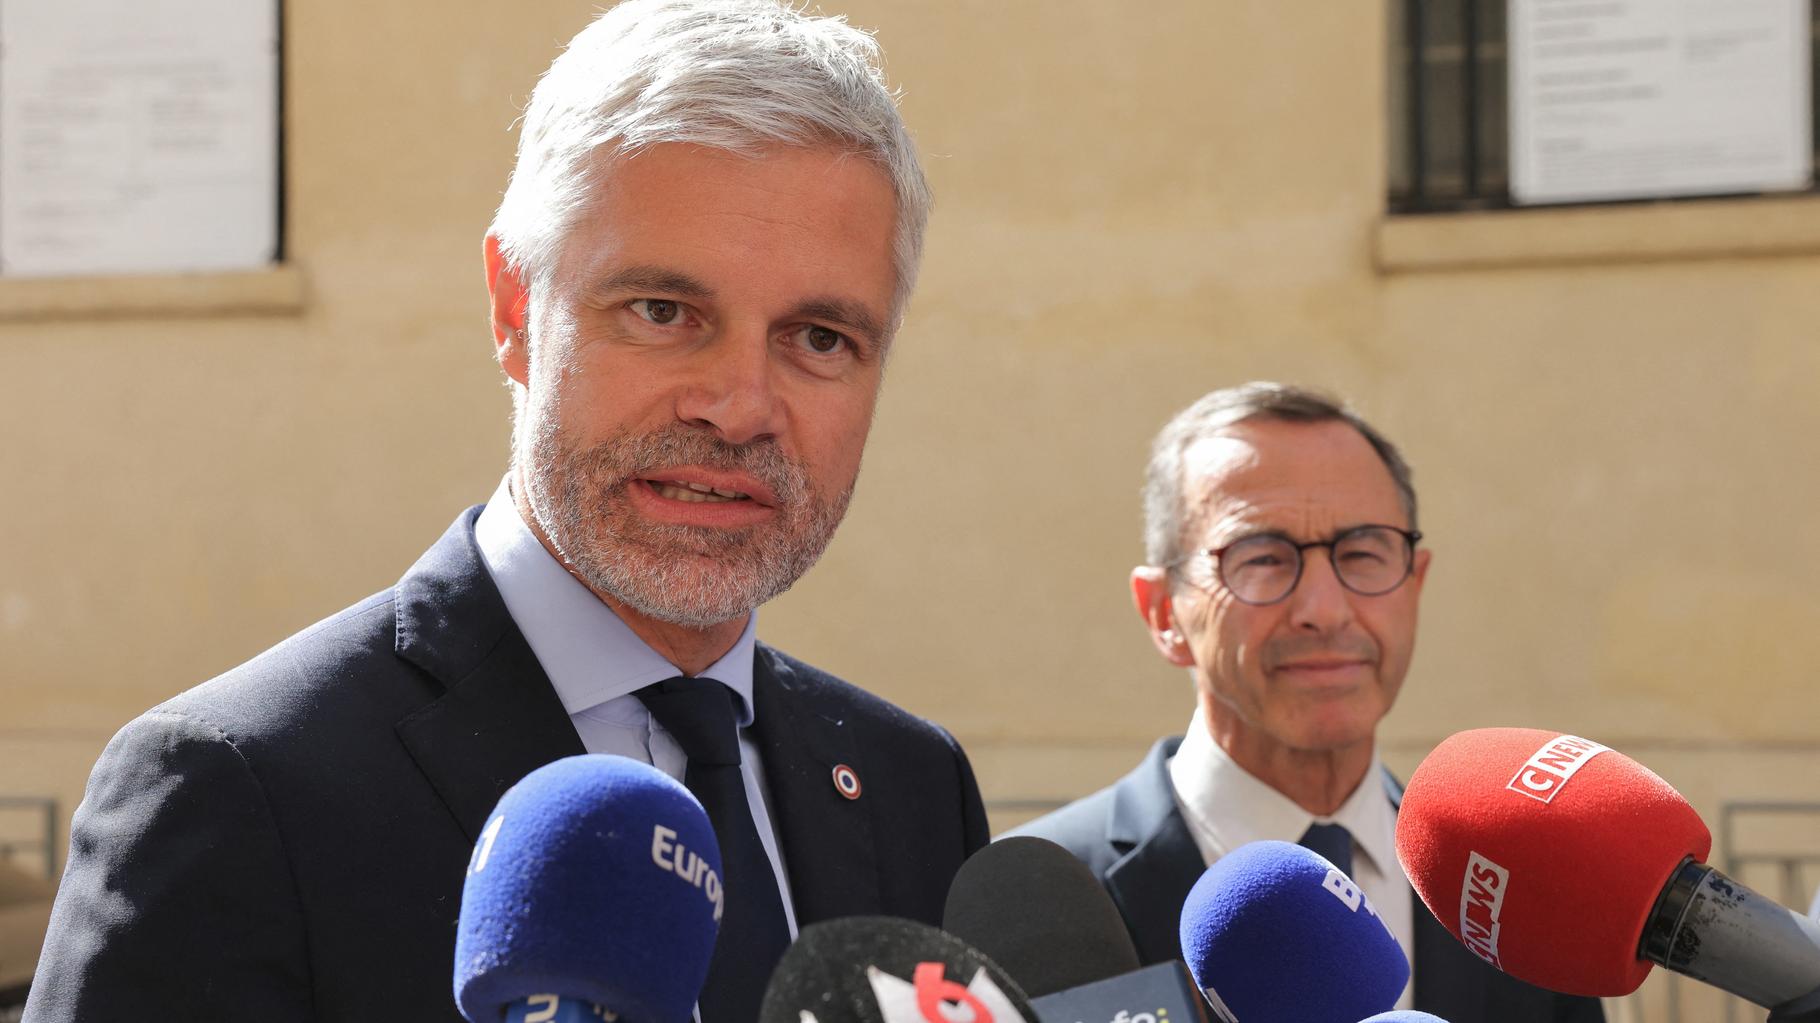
x=590 y=654
x=1227 y=806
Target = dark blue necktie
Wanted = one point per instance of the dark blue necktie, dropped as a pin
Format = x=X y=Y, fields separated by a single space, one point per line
x=698 y=713
x=1332 y=841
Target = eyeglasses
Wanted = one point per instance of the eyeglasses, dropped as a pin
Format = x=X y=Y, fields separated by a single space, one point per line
x=1264 y=569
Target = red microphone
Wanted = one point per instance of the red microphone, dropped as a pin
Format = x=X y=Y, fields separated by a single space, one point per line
x=1573 y=867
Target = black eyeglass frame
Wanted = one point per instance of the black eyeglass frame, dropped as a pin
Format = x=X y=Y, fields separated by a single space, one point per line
x=1410 y=536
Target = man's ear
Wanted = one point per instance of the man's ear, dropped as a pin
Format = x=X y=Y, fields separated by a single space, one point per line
x=1150 y=592
x=509 y=307
x=1419 y=570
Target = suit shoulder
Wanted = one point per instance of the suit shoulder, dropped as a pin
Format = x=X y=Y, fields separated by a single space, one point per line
x=334 y=667
x=1101 y=828
x=175 y=858
x=852 y=702
x=1079 y=827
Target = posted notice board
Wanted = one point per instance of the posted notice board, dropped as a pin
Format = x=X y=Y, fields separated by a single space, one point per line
x=1625 y=99
x=138 y=136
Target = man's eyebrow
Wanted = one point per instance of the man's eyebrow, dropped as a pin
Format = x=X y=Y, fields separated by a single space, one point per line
x=1252 y=532
x=848 y=315
x=1249 y=531
x=653 y=279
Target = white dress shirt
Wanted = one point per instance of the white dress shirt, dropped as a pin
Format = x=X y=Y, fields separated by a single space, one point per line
x=1226 y=806
x=597 y=664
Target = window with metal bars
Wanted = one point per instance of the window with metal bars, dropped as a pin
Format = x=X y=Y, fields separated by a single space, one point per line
x=1449 y=130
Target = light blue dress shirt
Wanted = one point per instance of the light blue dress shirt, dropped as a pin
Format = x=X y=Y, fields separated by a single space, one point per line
x=597 y=664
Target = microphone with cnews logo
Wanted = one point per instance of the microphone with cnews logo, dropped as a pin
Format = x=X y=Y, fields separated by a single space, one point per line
x=1571 y=866
x=570 y=855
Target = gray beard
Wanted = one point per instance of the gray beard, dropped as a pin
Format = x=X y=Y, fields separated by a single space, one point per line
x=692 y=576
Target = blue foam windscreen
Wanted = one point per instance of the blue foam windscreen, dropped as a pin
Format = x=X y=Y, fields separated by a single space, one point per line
x=1273 y=933
x=596 y=877
x=1404 y=1016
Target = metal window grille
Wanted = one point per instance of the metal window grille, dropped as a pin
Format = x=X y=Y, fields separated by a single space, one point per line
x=35 y=816
x=1448 y=105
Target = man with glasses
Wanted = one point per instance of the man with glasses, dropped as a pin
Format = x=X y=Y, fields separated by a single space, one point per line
x=1283 y=570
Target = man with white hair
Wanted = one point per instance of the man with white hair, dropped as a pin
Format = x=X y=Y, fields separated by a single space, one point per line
x=695 y=275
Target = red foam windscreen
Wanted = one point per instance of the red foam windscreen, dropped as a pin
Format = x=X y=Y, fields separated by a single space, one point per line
x=1544 y=853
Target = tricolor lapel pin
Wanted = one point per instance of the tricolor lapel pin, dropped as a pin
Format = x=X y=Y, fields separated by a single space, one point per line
x=846 y=782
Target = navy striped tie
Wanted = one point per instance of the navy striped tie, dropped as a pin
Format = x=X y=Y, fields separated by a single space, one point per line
x=1332 y=841
x=698 y=713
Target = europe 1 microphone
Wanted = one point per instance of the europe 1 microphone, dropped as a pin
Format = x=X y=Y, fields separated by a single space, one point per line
x=593 y=894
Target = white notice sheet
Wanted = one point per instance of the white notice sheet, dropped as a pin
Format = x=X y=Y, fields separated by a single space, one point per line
x=1623 y=99
x=138 y=136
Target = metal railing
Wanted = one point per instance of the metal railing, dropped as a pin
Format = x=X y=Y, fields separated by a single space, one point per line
x=1448 y=105
x=44 y=845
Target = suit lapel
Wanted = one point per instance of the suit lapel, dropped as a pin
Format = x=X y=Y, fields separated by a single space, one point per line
x=1150 y=882
x=498 y=719
x=827 y=839
x=1445 y=980
x=1451 y=982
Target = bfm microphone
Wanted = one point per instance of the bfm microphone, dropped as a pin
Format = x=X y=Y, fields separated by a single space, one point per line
x=593 y=892
x=1043 y=916
x=880 y=969
x=1404 y=1016
x=1274 y=933
x=1571 y=866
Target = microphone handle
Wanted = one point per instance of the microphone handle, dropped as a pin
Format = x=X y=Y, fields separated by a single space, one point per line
x=556 y=1009
x=1802 y=1010
x=1162 y=992
x=1711 y=928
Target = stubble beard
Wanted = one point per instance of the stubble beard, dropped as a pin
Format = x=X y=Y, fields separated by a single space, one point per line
x=693 y=576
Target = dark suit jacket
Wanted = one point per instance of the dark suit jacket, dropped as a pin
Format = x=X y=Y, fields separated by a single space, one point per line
x=288 y=841
x=1134 y=839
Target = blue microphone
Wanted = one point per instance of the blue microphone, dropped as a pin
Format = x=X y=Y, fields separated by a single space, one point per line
x=593 y=893
x=1273 y=933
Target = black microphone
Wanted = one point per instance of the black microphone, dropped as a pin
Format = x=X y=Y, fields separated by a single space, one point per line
x=1042 y=915
x=1039 y=913
x=880 y=969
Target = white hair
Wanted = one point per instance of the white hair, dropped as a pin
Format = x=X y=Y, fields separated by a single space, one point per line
x=734 y=75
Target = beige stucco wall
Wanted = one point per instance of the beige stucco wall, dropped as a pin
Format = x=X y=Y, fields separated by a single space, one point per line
x=1617 y=457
